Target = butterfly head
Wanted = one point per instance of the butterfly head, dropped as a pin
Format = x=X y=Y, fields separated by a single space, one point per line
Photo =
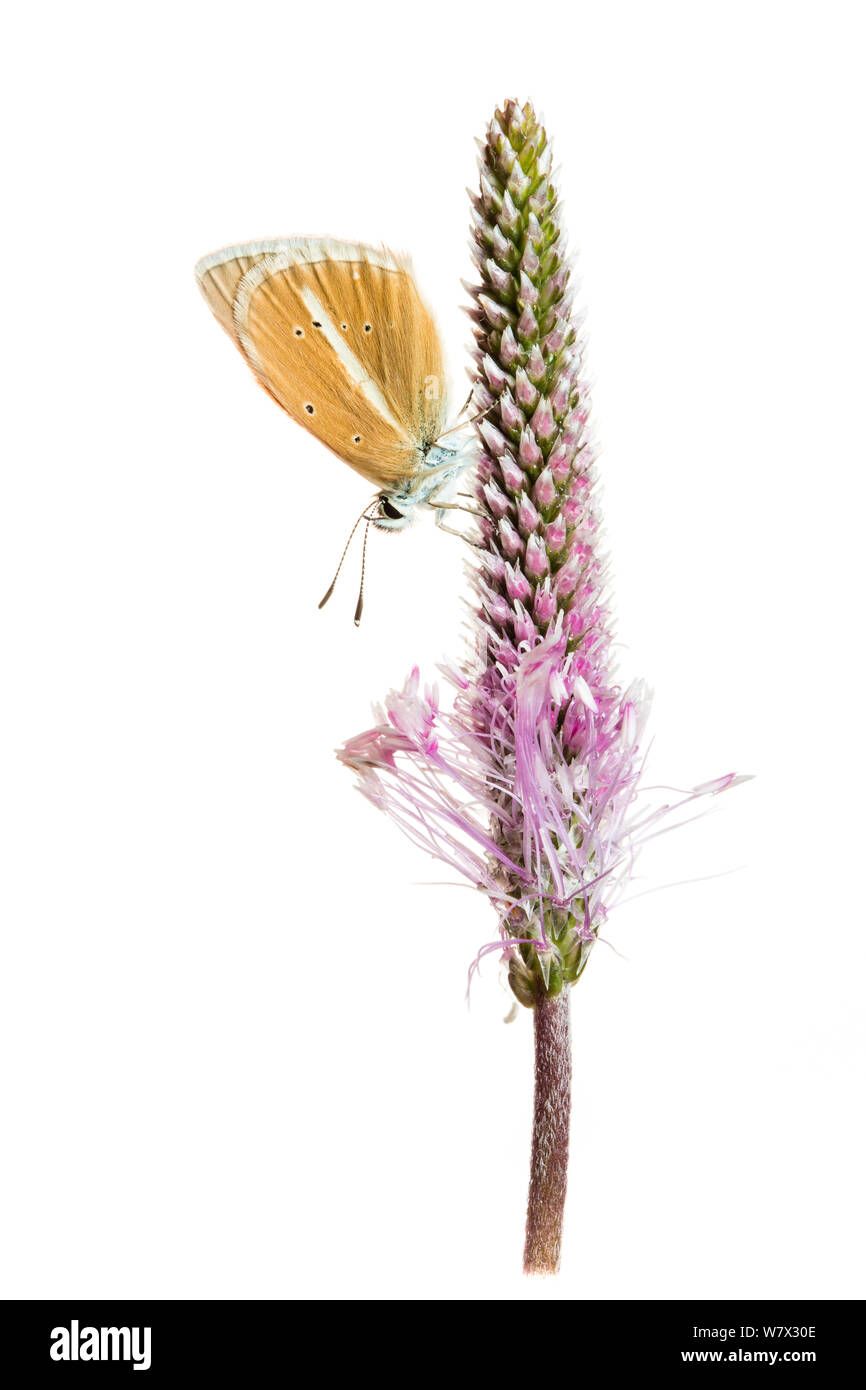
x=387 y=515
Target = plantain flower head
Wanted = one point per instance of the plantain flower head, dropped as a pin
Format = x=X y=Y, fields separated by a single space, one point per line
x=527 y=784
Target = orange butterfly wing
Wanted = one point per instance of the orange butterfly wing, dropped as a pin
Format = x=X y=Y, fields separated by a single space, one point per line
x=340 y=337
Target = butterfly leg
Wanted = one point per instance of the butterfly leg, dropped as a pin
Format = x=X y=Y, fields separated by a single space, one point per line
x=453 y=507
x=442 y=508
x=450 y=531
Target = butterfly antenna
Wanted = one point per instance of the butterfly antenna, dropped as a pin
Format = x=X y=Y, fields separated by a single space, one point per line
x=362 y=517
x=360 y=606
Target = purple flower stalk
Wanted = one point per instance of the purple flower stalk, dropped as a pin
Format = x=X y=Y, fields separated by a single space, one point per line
x=527 y=785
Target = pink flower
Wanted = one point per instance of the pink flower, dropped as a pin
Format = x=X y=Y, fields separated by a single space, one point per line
x=528 y=785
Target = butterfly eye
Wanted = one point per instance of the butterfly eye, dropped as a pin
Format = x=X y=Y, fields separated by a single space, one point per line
x=386 y=509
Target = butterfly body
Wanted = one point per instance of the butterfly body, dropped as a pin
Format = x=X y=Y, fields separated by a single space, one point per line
x=431 y=486
x=338 y=334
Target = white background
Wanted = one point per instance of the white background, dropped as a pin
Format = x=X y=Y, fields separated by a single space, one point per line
x=236 y=1056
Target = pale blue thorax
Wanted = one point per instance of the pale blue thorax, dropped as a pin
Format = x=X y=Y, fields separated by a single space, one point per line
x=432 y=484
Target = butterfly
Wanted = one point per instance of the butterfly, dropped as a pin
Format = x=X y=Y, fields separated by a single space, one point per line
x=339 y=336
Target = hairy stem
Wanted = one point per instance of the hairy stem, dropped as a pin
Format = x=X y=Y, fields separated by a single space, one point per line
x=548 y=1174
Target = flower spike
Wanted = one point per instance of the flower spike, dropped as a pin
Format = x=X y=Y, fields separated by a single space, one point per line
x=527 y=785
